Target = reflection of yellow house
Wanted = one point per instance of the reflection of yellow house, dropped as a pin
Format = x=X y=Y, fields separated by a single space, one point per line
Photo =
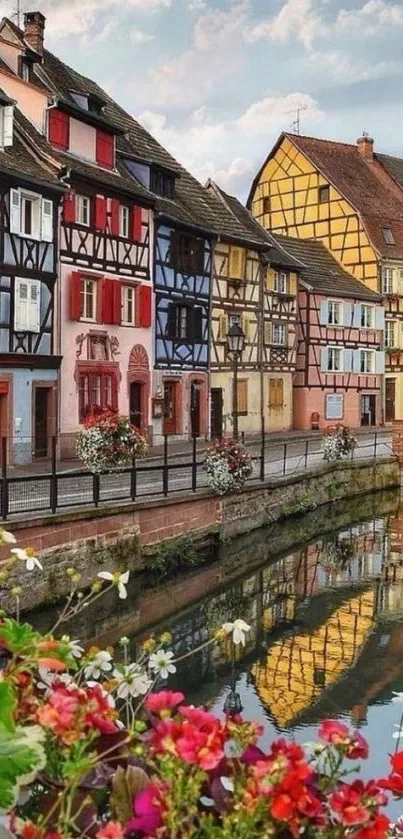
x=299 y=668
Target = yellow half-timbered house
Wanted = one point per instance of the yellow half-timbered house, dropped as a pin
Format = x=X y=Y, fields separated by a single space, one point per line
x=254 y=285
x=350 y=198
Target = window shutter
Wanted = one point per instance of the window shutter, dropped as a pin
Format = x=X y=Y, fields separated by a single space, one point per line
x=15 y=211
x=246 y=327
x=174 y=249
x=347 y=314
x=171 y=320
x=267 y=332
x=324 y=312
x=357 y=315
x=380 y=362
x=46 y=220
x=242 y=397
x=270 y=277
x=107 y=300
x=235 y=263
x=198 y=323
x=100 y=212
x=145 y=306
x=75 y=301
x=115 y=216
x=117 y=302
x=105 y=149
x=34 y=309
x=8 y=124
x=222 y=327
x=356 y=361
x=136 y=223
x=21 y=305
x=58 y=129
x=348 y=361
x=379 y=317
x=69 y=207
x=324 y=359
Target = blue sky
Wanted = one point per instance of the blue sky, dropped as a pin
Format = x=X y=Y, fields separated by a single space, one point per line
x=217 y=80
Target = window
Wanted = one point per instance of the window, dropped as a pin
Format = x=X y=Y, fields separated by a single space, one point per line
x=25 y=71
x=323 y=194
x=124 y=216
x=83 y=207
x=234 y=320
x=366 y=361
x=242 y=397
x=128 y=305
x=276 y=393
x=387 y=280
x=27 y=305
x=186 y=253
x=281 y=282
x=88 y=291
x=31 y=215
x=97 y=390
x=388 y=235
x=6 y=125
x=367 y=317
x=334 y=406
x=334 y=313
x=279 y=334
x=390 y=332
x=162 y=183
x=184 y=323
x=266 y=204
x=334 y=360
x=81 y=99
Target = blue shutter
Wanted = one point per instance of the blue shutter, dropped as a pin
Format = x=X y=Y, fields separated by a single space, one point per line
x=356 y=361
x=348 y=314
x=357 y=314
x=324 y=312
x=380 y=317
x=379 y=362
x=348 y=361
x=324 y=359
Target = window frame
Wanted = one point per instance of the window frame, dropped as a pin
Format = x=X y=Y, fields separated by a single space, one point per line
x=36 y=202
x=180 y=308
x=339 y=351
x=364 y=353
x=80 y=199
x=390 y=325
x=388 y=236
x=283 y=327
x=324 y=188
x=334 y=304
x=126 y=288
x=285 y=277
x=18 y=326
x=85 y=375
x=367 y=308
x=266 y=205
x=329 y=416
x=84 y=279
x=124 y=221
x=387 y=279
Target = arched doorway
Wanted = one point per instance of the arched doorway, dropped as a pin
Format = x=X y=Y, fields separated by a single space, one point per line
x=138 y=380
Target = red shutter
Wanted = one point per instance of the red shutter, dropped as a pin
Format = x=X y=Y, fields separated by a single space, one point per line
x=136 y=224
x=100 y=212
x=75 y=295
x=69 y=207
x=115 y=216
x=105 y=150
x=107 y=300
x=59 y=129
x=117 y=302
x=145 y=305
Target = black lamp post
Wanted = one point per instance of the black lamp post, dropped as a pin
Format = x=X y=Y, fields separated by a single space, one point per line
x=235 y=342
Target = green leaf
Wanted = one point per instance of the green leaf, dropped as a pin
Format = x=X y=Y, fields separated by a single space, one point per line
x=18 y=637
x=7 y=707
x=22 y=756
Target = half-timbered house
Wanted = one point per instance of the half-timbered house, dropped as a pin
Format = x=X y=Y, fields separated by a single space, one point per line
x=105 y=292
x=350 y=197
x=29 y=358
x=340 y=356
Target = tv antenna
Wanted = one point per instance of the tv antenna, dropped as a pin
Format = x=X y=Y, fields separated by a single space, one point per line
x=17 y=14
x=296 y=123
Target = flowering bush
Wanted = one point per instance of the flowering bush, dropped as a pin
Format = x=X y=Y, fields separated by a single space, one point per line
x=228 y=465
x=108 y=441
x=338 y=442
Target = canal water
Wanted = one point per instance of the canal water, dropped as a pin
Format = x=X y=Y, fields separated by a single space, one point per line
x=326 y=617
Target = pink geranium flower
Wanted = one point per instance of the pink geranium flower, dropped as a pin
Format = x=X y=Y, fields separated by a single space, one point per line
x=163 y=702
x=147 y=808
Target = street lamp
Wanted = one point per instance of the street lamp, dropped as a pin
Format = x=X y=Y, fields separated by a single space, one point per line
x=235 y=342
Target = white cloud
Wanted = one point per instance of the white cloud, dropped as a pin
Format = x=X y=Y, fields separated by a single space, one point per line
x=298 y=19
x=349 y=70
x=138 y=37
x=370 y=17
x=217 y=26
x=273 y=112
x=77 y=17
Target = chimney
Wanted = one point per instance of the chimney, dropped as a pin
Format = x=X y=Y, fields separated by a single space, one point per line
x=34 y=30
x=366 y=147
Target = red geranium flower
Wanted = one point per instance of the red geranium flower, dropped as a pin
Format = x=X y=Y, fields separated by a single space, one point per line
x=338 y=734
x=163 y=702
x=377 y=829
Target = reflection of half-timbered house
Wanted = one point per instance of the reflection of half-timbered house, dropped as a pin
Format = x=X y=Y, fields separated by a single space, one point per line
x=29 y=359
x=105 y=308
x=340 y=358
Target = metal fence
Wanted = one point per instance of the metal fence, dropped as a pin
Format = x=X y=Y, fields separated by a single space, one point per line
x=57 y=488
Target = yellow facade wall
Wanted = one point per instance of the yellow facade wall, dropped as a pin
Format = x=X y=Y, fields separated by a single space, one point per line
x=276 y=419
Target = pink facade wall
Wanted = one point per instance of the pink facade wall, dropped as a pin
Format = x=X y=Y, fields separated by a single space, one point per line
x=30 y=100
x=82 y=139
x=11 y=54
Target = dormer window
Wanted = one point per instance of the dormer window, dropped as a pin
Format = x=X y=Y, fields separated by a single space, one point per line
x=162 y=183
x=80 y=99
x=388 y=235
x=26 y=71
x=6 y=125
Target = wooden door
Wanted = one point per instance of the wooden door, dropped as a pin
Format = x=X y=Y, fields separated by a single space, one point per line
x=135 y=404
x=390 y=400
x=195 y=409
x=41 y=421
x=170 y=407
x=368 y=409
x=216 y=412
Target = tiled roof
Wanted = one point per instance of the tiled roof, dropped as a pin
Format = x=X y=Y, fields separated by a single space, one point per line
x=17 y=159
x=322 y=272
x=394 y=165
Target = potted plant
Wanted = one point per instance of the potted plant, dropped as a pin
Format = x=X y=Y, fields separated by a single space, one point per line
x=228 y=465
x=108 y=441
x=338 y=442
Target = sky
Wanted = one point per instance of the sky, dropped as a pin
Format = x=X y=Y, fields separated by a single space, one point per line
x=216 y=81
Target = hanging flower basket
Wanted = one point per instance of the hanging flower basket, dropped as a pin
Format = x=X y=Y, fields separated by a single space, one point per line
x=228 y=465
x=338 y=442
x=108 y=441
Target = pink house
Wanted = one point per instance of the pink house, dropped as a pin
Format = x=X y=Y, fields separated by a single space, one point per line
x=340 y=355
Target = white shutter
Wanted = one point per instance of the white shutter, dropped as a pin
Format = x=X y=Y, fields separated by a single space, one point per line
x=324 y=310
x=15 y=211
x=34 y=306
x=347 y=361
x=46 y=220
x=21 y=304
x=324 y=362
x=357 y=314
x=380 y=362
x=356 y=361
x=379 y=317
x=8 y=121
x=347 y=314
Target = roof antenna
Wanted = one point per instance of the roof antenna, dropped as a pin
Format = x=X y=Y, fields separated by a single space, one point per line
x=296 y=123
x=17 y=14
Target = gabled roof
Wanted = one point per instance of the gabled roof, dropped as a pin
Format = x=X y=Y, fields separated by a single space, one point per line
x=322 y=272
x=376 y=197
x=20 y=161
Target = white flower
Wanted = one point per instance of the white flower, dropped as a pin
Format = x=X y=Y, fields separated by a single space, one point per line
x=74 y=646
x=6 y=538
x=132 y=681
x=237 y=629
x=101 y=663
x=29 y=556
x=119 y=580
x=161 y=663
x=48 y=677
